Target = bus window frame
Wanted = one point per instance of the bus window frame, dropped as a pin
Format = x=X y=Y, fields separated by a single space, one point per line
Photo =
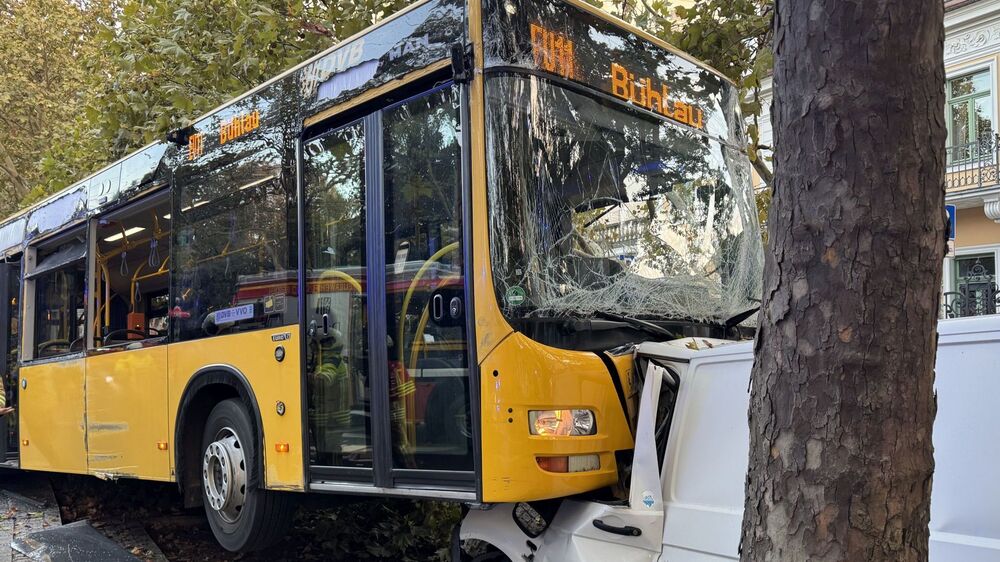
x=383 y=478
x=355 y=475
x=160 y=195
x=274 y=176
x=28 y=296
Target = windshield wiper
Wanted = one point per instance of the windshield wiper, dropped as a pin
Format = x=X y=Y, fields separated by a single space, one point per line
x=642 y=325
x=734 y=321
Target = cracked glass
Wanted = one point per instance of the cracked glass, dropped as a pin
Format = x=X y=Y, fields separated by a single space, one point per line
x=598 y=208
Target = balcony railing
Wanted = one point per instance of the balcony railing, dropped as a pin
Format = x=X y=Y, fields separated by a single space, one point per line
x=977 y=294
x=974 y=164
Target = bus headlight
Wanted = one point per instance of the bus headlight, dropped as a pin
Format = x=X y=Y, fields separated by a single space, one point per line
x=562 y=422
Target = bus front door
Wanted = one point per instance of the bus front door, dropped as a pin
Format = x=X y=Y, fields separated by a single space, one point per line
x=387 y=365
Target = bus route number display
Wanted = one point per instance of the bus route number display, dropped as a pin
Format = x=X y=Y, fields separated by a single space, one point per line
x=196 y=146
x=553 y=51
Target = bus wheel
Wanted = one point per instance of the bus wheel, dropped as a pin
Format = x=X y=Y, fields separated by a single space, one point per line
x=242 y=517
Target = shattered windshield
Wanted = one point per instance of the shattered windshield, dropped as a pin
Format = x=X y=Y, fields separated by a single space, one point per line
x=597 y=208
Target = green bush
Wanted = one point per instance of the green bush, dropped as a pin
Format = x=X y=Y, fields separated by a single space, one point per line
x=383 y=529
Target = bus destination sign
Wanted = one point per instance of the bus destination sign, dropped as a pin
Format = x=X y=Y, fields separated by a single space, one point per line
x=573 y=43
x=554 y=52
x=229 y=130
x=641 y=92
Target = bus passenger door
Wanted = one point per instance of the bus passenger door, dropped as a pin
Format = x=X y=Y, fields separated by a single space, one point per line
x=51 y=391
x=427 y=360
x=10 y=299
x=387 y=364
x=127 y=432
x=336 y=319
x=127 y=414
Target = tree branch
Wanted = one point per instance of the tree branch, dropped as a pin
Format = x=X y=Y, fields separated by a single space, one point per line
x=9 y=168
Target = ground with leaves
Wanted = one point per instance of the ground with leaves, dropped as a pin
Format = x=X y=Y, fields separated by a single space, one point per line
x=326 y=527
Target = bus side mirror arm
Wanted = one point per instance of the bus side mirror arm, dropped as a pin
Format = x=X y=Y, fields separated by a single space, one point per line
x=180 y=136
x=461 y=63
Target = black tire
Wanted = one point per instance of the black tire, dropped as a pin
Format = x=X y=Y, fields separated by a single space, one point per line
x=264 y=516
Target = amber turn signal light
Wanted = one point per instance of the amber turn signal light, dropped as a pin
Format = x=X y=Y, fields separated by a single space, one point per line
x=24 y=442
x=554 y=464
x=161 y=445
x=281 y=447
x=571 y=463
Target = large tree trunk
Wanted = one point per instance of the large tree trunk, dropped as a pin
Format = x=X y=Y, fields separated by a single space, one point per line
x=842 y=403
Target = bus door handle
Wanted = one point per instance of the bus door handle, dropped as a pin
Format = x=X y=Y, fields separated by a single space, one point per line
x=437 y=307
x=326 y=324
x=626 y=530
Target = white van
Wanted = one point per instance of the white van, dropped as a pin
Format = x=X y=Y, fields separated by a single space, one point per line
x=691 y=509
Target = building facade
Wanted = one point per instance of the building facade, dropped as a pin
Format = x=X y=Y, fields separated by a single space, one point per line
x=972 y=115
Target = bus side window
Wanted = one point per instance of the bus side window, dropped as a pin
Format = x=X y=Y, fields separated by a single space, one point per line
x=60 y=311
x=233 y=259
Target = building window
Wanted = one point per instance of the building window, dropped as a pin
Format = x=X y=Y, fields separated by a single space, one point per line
x=970 y=117
x=975 y=291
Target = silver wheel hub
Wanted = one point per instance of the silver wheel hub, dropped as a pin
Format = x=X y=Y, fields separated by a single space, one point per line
x=224 y=475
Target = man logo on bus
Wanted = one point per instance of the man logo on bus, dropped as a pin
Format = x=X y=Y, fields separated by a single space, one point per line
x=642 y=93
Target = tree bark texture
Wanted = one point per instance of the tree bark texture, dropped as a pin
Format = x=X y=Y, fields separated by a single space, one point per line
x=842 y=402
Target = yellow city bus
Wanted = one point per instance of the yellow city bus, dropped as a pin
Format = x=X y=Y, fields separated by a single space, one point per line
x=415 y=265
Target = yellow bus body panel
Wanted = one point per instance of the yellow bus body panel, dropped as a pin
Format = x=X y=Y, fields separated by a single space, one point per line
x=127 y=414
x=531 y=375
x=490 y=325
x=522 y=375
x=252 y=354
x=52 y=418
x=625 y=365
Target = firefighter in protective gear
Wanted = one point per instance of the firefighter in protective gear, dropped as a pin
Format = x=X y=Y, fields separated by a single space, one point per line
x=332 y=400
x=4 y=409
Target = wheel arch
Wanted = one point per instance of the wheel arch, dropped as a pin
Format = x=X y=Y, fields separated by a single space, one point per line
x=207 y=387
x=495 y=526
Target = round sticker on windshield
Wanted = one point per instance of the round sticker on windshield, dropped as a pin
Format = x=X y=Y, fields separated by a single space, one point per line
x=515 y=296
